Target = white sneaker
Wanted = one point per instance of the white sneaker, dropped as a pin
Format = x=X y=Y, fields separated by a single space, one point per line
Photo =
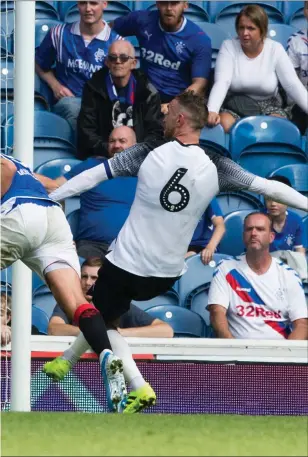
x=112 y=372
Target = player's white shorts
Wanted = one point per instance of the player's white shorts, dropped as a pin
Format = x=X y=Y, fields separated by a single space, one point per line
x=40 y=236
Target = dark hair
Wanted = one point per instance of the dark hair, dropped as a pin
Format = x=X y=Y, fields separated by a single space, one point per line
x=280 y=178
x=92 y=262
x=257 y=15
x=195 y=105
x=262 y=214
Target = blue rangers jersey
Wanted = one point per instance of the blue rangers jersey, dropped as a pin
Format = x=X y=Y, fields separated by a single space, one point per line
x=25 y=188
x=170 y=59
x=75 y=60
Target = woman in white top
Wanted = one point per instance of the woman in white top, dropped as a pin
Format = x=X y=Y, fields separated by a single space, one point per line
x=252 y=65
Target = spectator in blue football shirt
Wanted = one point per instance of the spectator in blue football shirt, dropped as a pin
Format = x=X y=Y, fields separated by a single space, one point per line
x=287 y=225
x=70 y=54
x=208 y=233
x=175 y=52
x=103 y=209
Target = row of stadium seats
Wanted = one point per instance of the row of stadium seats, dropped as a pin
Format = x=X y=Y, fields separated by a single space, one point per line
x=217 y=33
x=183 y=307
x=262 y=143
x=219 y=12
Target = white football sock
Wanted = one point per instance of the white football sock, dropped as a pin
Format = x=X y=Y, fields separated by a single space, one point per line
x=121 y=349
x=76 y=350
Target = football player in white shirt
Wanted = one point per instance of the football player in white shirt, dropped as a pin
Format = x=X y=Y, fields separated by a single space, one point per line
x=176 y=182
x=255 y=295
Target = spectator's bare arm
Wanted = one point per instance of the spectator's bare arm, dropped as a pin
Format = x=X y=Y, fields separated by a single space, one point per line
x=58 y=327
x=219 y=322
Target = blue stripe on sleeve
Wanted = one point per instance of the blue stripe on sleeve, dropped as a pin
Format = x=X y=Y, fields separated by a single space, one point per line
x=108 y=170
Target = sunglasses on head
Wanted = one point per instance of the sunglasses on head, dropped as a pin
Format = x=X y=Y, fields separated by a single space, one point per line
x=123 y=58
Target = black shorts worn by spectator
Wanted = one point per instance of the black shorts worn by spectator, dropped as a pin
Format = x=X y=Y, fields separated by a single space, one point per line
x=116 y=288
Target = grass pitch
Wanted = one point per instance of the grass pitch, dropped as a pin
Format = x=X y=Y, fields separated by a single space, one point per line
x=77 y=434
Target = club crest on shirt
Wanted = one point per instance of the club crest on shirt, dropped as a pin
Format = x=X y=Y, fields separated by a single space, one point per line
x=279 y=294
x=99 y=55
x=290 y=239
x=179 y=47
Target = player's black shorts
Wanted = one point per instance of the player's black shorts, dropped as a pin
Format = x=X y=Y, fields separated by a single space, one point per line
x=116 y=288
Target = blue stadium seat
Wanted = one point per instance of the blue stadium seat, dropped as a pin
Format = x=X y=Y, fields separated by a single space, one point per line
x=262 y=144
x=194 y=284
x=234 y=201
x=215 y=138
x=42 y=26
x=169 y=298
x=232 y=242
x=46 y=10
x=40 y=320
x=7 y=108
x=57 y=167
x=73 y=220
x=185 y=323
x=217 y=36
x=224 y=13
x=297 y=174
x=281 y=33
x=294 y=13
x=53 y=137
x=43 y=299
x=70 y=12
x=196 y=11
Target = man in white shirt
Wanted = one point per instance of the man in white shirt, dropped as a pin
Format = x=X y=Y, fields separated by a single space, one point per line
x=176 y=183
x=298 y=52
x=257 y=296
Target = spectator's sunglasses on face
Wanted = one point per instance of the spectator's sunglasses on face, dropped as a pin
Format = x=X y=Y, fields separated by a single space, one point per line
x=123 y=58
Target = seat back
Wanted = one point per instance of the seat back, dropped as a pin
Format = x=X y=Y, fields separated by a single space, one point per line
x=169 y=298
x=185 y=323
x=263 y=143
x=226 y=14
x=214 y=138
x=232 y=242
x=294 y=14
x=233 y=201
x=297 y=175
x=50 y=131
x=43 y=299
x=58 y=167
x=40 y=320
x=46 y=10
x=217 y=36
x=73 y=220
x=196 y=278
x=42 y=26
x=281 y=33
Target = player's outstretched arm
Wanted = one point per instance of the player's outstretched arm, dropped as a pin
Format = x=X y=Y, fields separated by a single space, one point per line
x=233 y=177
x=127 y=163
x=8 y=170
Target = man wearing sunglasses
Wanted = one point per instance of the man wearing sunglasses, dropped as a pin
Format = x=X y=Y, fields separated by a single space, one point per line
x=118 y=95
x=70 y=54
x=175 y=52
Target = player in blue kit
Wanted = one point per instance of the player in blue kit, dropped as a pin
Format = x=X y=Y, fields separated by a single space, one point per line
x=77 y=50
x=34 y=230
x=175 y=52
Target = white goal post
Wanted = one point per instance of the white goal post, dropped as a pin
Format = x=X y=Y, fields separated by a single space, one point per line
x=23 y=150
